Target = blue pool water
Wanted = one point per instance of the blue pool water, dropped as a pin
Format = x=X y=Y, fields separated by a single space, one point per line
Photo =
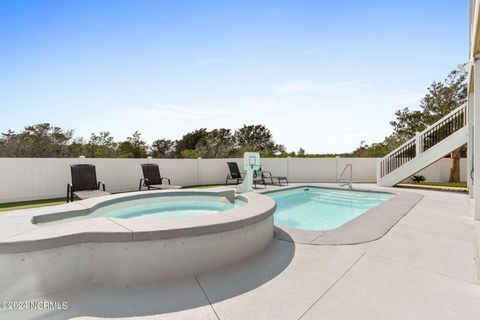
x=322 y=209
x=166 y=207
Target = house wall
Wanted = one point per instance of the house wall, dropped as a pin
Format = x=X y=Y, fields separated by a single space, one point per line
x=36 y=178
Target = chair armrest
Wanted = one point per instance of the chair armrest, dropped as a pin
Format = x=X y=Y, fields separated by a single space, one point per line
x=269 y=173
x=166 y=178
x=143 y=182
x=101 y=183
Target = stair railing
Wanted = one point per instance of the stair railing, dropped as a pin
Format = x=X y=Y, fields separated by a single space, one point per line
x=424 y=140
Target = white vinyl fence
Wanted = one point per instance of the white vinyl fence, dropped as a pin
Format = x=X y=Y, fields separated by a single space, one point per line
x=34 y=178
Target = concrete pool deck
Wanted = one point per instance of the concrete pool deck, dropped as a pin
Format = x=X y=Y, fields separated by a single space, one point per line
x=425 y=267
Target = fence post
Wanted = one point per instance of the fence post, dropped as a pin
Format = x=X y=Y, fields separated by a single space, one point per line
x=418 y=144
x=379 y=173
x=336 y=167
x=81 y=159
x=288 y=168
x=198 y=170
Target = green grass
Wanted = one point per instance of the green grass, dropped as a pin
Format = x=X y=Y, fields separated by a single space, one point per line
x=445 y=184
x=51 y=202
x=30 y=204
x=204 y=186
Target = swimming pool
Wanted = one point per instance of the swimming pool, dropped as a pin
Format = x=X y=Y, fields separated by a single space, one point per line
x=317 y=209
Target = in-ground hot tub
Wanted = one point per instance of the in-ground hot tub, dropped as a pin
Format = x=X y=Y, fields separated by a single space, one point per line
x=130 y=238
x=166 y=206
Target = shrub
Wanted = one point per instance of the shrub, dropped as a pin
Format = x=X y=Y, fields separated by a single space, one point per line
x=418 y=178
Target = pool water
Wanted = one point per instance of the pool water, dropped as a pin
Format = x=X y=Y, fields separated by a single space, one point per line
x=322 y=209
x=166 y=207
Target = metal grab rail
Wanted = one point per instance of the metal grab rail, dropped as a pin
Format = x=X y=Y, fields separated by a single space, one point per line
x=349 y=181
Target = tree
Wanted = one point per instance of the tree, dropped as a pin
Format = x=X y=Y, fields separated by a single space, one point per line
x=190 y=154
x=408 y=123
x=444 y=97
x=189 y=141
x=218 y=143
x=11 y=144
x=380 y=149
x=133 y=147
x=162 y=148
x=77 y=148
x=257 y=138
x=301 y=152
x=43 y=141
x=101 y=145
x=37 y=141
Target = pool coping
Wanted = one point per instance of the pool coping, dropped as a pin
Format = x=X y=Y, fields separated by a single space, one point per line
x=369 y=226
x=28 y=236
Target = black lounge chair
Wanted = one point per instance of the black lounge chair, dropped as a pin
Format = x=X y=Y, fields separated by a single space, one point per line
x=235 y=174
x=84 y=183
x=268 y=176
x=152 y=178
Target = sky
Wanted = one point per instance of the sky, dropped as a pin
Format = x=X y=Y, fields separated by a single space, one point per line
x=321 y=75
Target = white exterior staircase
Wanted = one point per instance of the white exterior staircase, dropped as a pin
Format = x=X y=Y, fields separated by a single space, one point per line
x=428 y=146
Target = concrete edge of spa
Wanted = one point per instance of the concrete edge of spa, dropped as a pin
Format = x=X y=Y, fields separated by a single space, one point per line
x=369 y=226
x=28 y=236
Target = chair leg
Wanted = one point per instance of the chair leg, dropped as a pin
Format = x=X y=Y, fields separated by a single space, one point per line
x=69 y=191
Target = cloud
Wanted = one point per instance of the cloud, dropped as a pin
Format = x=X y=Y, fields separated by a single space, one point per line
x=296 y=86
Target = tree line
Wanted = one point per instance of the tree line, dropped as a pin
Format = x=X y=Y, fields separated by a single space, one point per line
x=47 y=141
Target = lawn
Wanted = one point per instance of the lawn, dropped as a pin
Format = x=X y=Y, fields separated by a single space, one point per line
x=204 y=186
x=51 y=202
x=445 y=184
x=30 y=204
x=460 y=186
